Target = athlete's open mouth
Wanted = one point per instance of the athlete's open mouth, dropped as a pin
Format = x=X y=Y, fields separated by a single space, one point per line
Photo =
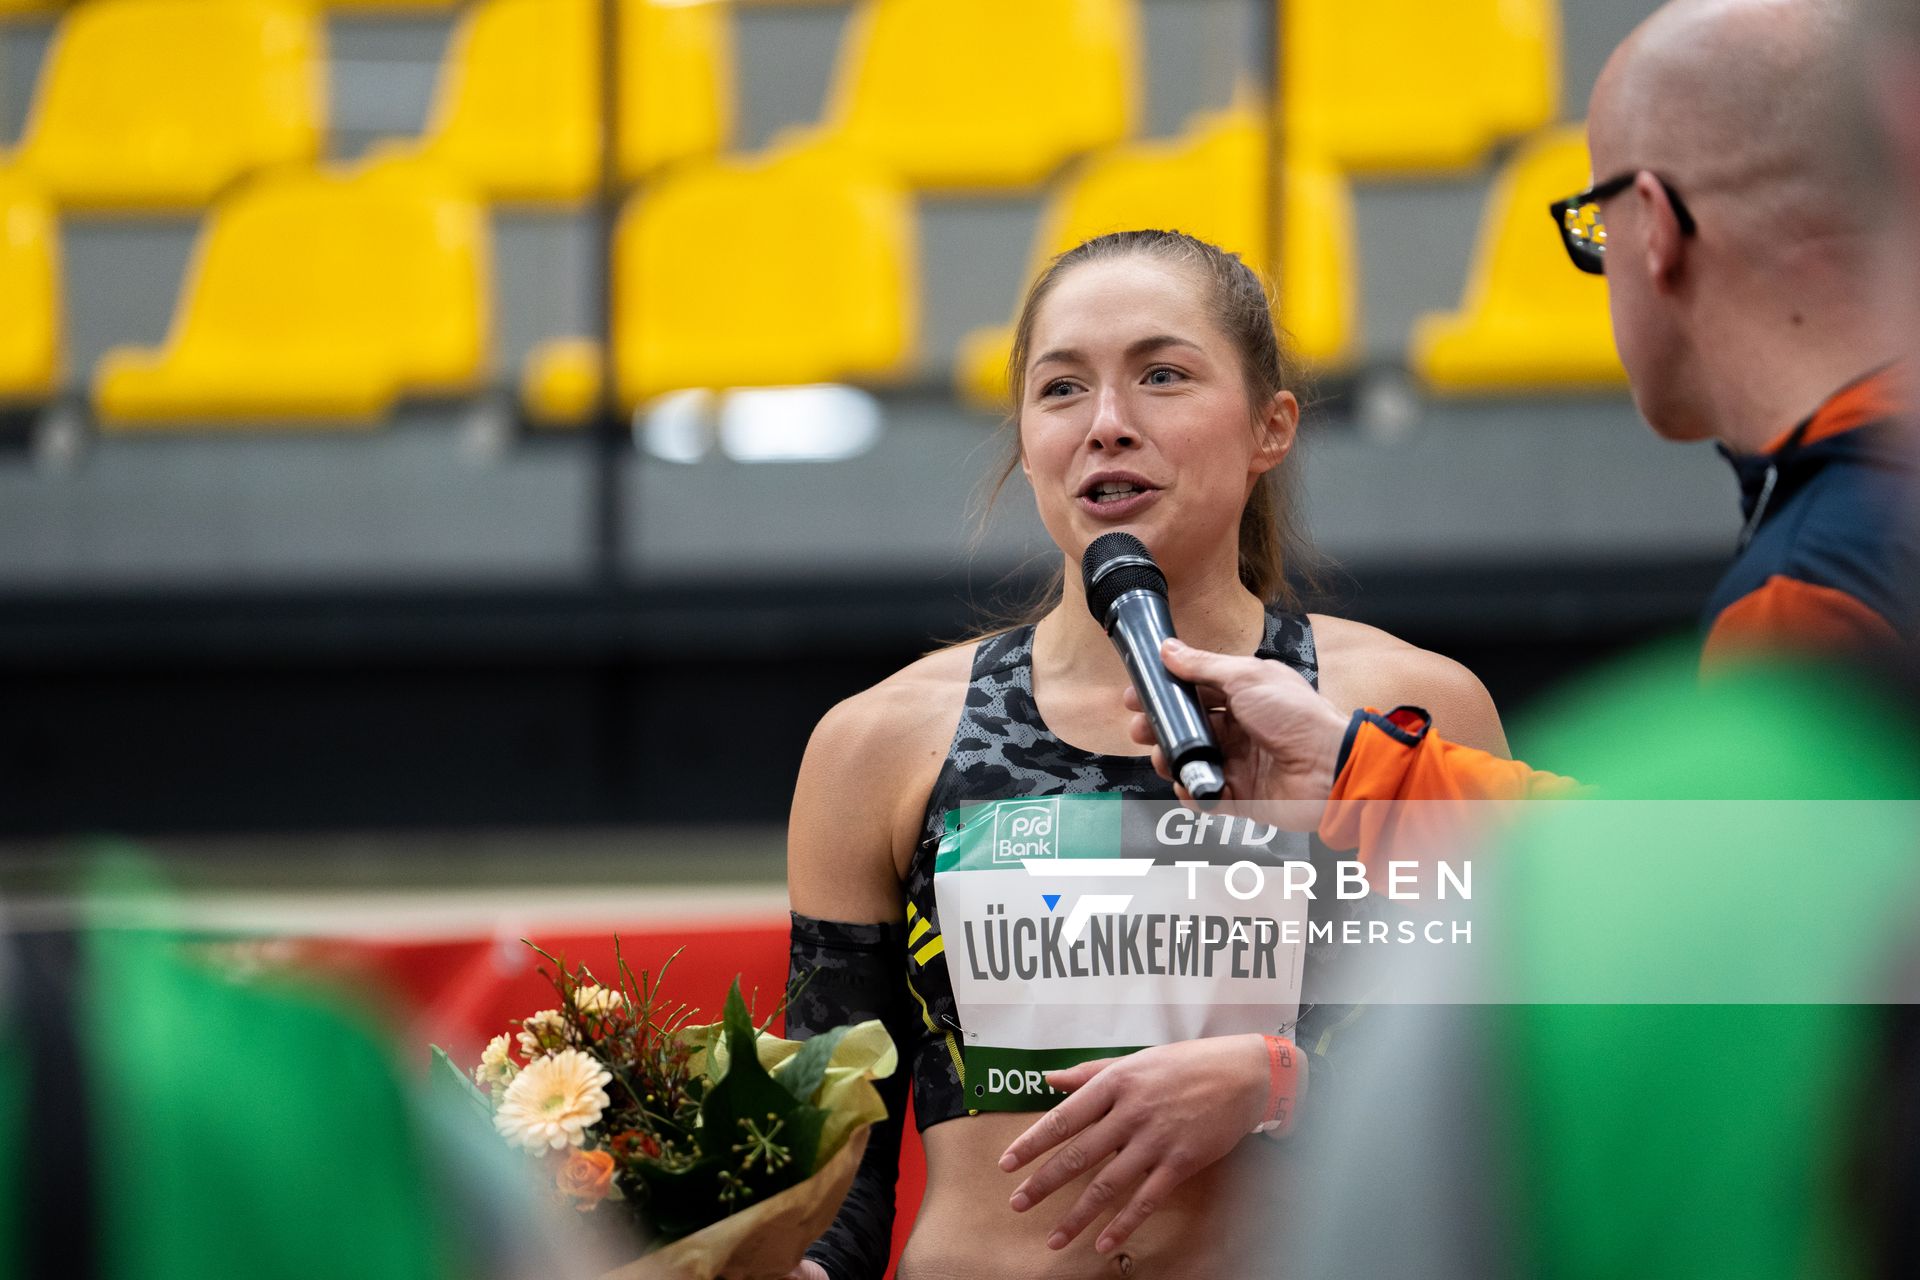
x=1111 y=488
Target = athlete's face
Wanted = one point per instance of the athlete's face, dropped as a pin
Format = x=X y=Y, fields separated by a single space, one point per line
x=1135 y=415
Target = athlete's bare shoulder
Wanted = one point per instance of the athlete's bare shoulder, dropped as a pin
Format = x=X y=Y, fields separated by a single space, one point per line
x=906 y=716
x=1363 y=666
x=864 y=783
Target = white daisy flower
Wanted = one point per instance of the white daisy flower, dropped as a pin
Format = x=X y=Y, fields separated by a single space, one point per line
x=497 y=1069
x=553 y=1102
x=544 y=1032
x=592 y=999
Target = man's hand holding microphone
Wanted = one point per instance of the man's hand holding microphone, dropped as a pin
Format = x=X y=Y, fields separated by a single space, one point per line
x=1279 y=739
x=1220 y=727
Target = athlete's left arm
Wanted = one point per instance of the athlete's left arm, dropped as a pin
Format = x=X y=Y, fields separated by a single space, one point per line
x=1454 y=697
x=1362 y=666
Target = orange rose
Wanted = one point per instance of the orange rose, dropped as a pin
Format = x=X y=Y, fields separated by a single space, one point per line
x=587 y=1176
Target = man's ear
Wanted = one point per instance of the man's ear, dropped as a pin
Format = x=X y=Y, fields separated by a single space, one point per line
x=1665 y=245
x=1278 y=429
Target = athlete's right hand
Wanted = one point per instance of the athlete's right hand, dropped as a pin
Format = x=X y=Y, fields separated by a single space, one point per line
x=1279 y=736
x=808 y=1270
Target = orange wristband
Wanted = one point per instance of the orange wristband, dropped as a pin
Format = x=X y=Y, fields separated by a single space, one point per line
x=1283 y=1076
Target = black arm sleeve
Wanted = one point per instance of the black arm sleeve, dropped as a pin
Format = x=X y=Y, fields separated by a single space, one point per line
x=839 y=974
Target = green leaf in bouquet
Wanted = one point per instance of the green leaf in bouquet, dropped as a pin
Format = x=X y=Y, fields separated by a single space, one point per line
x=803 y=1136
x=746 y=1091
x=771 y=1114
x=856 y=1056
x=453 y=1083
x=681 y=1201
x=744 y=1087
x=806 y=1069
x=747 y=1107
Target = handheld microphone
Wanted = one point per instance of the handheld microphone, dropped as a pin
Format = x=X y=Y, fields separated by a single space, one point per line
x=1128 y=596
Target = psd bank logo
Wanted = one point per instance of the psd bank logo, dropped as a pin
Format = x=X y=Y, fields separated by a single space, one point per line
x=1030 y=830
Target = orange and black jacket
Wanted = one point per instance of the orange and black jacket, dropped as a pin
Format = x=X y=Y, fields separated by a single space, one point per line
x=1829 y=559
x=1829 y=562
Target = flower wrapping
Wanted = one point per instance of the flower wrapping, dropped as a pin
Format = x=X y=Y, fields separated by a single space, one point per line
x=764 y=1241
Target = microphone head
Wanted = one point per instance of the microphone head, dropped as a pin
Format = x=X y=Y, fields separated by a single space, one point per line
x=1116 y=563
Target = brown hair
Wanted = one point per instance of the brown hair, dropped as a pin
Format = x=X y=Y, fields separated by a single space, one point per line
x=1273 y=544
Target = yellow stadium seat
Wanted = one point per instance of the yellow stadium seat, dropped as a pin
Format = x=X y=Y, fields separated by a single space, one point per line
x=1528 y=321
x=1523 y=93
x=1317 y=286
x=985 y=94
x=1210 y=182
x=560 y=386
x=27 y=8
x=517 y=110
x=317 y=297
x=30 y=282
x=676 y=83
x=155 y=104
x=388 y=6
x=1392 y=86
x=797 y=266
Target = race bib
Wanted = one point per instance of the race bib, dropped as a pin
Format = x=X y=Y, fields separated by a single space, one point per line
x=1087 y=926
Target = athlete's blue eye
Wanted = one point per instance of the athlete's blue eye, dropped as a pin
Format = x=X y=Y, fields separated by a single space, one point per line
x=1059 y=386
x=1162 y=376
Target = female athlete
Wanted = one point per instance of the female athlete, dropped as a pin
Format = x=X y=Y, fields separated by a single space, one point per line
x=1151 y=395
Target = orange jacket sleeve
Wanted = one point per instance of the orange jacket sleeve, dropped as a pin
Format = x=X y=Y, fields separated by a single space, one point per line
x=1394 y=757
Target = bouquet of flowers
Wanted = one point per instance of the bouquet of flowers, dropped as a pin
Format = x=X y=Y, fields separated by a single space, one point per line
x=727 y=1150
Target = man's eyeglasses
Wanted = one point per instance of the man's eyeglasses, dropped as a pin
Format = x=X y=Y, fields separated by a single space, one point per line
x=1584 y=231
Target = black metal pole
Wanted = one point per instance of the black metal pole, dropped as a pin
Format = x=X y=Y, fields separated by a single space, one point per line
x=610 y=432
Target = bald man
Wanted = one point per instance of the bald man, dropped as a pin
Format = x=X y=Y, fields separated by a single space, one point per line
x=1741 y=270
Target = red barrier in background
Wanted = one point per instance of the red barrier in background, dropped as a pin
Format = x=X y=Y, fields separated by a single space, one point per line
x=460 y=992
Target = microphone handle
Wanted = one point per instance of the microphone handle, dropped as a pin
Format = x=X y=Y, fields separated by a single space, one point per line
x=1137 y=623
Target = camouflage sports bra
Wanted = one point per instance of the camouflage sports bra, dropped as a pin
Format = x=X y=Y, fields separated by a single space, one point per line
x=1002 y=749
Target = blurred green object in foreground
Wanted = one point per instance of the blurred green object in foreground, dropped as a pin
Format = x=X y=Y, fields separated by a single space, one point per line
x=1706 y=1140
x=237 y=1129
